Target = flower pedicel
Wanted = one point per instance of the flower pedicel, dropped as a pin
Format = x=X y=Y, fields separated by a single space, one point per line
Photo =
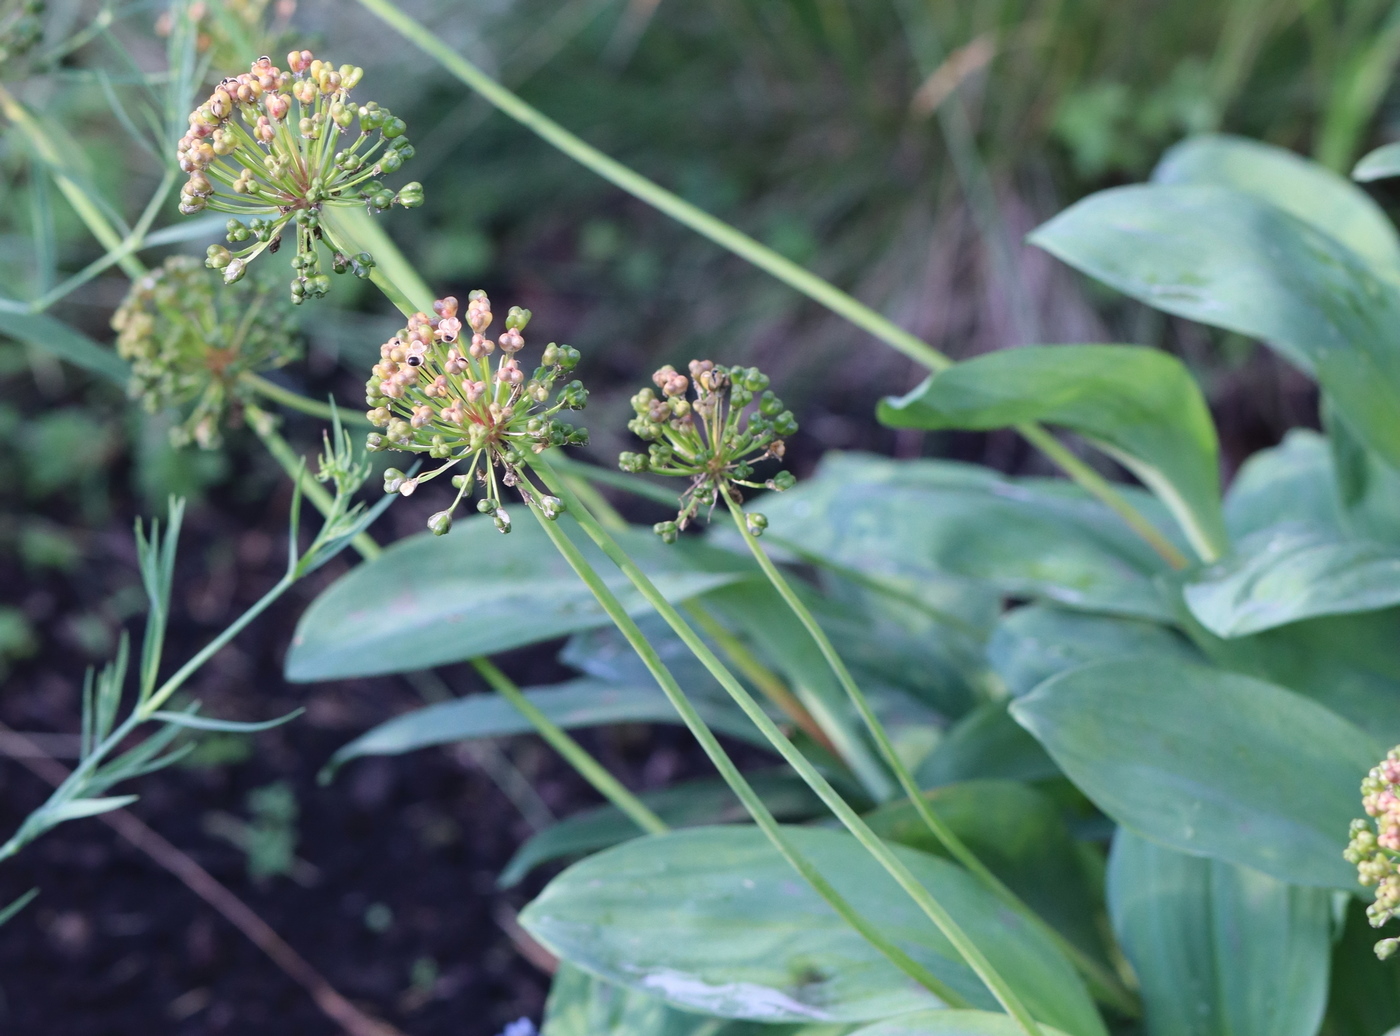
x=435 y=390
x=276 y=146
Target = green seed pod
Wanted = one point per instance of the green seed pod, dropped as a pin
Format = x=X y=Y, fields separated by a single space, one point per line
x=783 y=480
x=486 y=506
x=410 y=195
x=755 y=523
x=394 y=480
x=632 y=463
x=668 y=531
x=551 y=507
x=440 y=522
x=502 y=520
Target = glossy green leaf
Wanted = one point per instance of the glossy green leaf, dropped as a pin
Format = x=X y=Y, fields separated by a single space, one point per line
x=1033 y=643
x=1139 y=405
x=579 y=703
x=1019 y=834
x=689 y=804
x=986 y=743
x=1233 y=260
x=430 y=600
x=1299 y=186
x=582 y=1005
x=1379 y=164
x=713 y=919
x=1208 y=762
x=914 y=523
x=1294 y=482
x=1368 y=489
x=1291 y=573
x=1219 y=950
x=949 y=1023
x=1347 y=663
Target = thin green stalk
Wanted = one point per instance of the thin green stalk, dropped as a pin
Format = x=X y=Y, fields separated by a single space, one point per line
x=574 y=753
x=935 y=911
x=589 y=768
x=97 y=223
x=1100 y=487
x=1102 y=982
x=296 y=401
x=755 y=805
x=683 y=212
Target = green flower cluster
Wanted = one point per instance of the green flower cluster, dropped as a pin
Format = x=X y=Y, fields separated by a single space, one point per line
x=732 y=422
x=1375 y=845
x=435 y=390
x=189 y=341
x=275 y=147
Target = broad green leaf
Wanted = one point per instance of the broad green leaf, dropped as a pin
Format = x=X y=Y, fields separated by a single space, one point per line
x=714 y=919
x=1019 y=834
x=1368 y=489
x=1232 y=260
x=56 y=338
x=986 y=743
x=582 y=1005
x=1219 y=950
x=953 y=525
x=1141 y=406
x=1379 y=164
x=1290 y=573
x=689 y=804
x=949 y=1023
x=1347 y=663
x=1033 y=643
x=1294 y=482
x=1365 y=996
x=430 y=600
x=1299 y=186
x=578 y=703
x=1208 y=762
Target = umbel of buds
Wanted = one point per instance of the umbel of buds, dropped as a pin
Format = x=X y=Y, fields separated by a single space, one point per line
x=442 y=387
x=189 y=340
x=711 y=428
x=273 y=148
x=1375 y=845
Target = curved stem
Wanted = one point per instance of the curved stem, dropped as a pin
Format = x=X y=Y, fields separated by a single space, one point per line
x=852 y=821
x=296 y=401
x=1103 y=983
x=755 y=805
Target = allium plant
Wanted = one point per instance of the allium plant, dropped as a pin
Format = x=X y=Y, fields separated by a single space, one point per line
x=189 y=340
x=1375 y=845
x=435 y=390
x=274 y=147
x=711 y=437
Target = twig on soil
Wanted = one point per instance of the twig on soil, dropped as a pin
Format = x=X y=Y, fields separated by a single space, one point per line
x=208 y=888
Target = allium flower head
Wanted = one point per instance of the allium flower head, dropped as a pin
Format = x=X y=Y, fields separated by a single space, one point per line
x=276 y=147
x=711 y=428
x=188 y=340
x=436 y=390
x=1375 y=845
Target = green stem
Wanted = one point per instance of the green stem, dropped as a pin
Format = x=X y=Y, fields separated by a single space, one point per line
x=575 y=754
x=87 y=210
x=1101 y=980
x=934 y=910
x=296 y=401
x=1100 y=487
x=755 y=805
x=589 y=768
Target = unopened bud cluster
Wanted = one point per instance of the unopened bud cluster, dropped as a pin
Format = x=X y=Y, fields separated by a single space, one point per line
x=1375 y=845
x=712 y=428
x=275 y=147
x=443 y=387
x=188 y=340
